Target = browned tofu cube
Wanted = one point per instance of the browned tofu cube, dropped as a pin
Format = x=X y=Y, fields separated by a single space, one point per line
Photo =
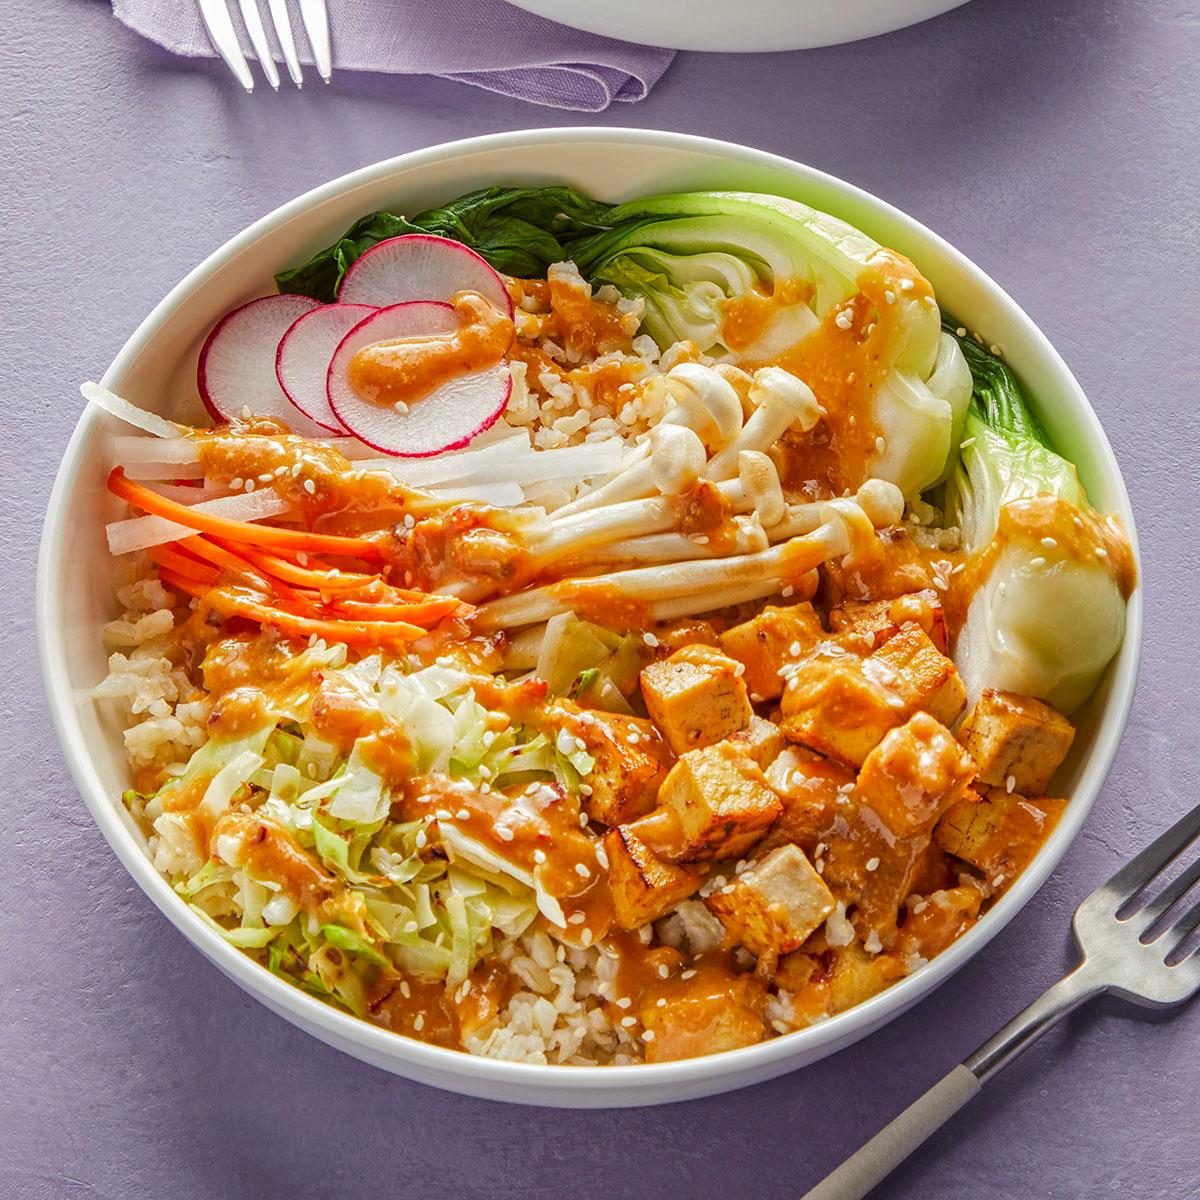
x=812 y=789
x=721 y=801
x=875 y=621
x=1017 y=737
x=899 y=569
x=910 y=665
x=858 y=975
x=762 y=740
x=696 y=697
x=833 y=707
x=706 y=1014
x=689 y=631
x=914 y=775
x=631 y=760
x=766 y=642
x=644 y=886
x=823 y=980
x=772 y=907
x=998 y=833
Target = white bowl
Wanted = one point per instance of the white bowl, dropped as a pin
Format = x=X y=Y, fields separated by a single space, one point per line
x=750 y=25
x=156 y=369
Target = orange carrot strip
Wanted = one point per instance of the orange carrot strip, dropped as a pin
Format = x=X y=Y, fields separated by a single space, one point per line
x=231 y=603
x=428 y=613
x=238 y=531
x=237 y=565
x=168 y=556
x=292 y=572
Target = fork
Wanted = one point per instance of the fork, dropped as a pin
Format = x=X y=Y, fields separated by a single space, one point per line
x=1131 y=946
x=221 y=32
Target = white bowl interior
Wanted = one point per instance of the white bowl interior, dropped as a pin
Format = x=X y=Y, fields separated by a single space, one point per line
x=156 y=369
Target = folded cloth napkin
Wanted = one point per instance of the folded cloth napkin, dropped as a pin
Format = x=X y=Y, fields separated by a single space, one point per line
x=488 y=43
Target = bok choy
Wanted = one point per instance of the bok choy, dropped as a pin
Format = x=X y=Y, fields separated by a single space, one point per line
x=1047 y=612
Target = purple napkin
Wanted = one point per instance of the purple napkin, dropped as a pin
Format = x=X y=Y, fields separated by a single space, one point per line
x=488 y=43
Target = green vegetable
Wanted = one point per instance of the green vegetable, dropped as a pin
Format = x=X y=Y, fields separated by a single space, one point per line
x=520 y=231
x=1042 y=623
x=352 y=943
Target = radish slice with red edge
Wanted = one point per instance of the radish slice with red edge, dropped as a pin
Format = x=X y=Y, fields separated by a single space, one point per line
x=420 y=266
x=236 y=375
x=445 y=419
x=302 y=360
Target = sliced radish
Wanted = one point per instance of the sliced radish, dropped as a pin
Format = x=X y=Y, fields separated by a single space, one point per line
x=447 y=418
x=302 y=360
x=236 y=375
x=420 y=266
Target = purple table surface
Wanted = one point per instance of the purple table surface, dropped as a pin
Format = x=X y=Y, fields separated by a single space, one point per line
x=1055 y=141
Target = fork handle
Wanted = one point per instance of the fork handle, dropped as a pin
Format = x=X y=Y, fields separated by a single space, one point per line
x=872 y=1163
x=875 y=1161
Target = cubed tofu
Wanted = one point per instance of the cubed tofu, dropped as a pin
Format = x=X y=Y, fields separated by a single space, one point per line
x=915 y=773
x=696 y=697
x=690 y=631
x=833 y=707
x=631 y=760
x=827 y=980
x=811 y=788
x=766 y=642
x=1017 y=737
x=644 y=886
x=721 y=801
x=773 y=906
x=898 y=570
x=910 y=665
x=999 y=832
x=875 y=621
x=706 y=1014
x=762 y=740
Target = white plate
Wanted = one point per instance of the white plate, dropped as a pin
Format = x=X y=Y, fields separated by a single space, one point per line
x=739 y=25
x=156 y=369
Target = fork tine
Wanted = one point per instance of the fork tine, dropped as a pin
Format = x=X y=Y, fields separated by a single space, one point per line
x=224 y=38
x=258 y=39
x=287 y=43
x=1182 y=929
x=1169 y=896
x=316 y=25
x=1140 y=870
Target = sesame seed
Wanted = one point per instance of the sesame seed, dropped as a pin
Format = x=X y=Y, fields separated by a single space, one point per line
x=663 y=971
x=661 y=1002
x=844 y=319
x=586 y=937
x=463 y=814
x=966 y=444
x=794 y=650
x=310 y=487
x=411 y=927
x=872 y=864
x=442 y=814
x=409 y=521
x=1010 y=782
x=582 y=871
x=889 y=296
x=577 y=918
x=961 y=331
x=1078 y=522
x=504 y=833
x=236 y=483
x=1101 y=552
x=920 y=906
x=421 y=839
x=650 y=640
x=539 y=856
x=419 y=1023
x=623 y=1002
x=583 y=820
x=266 y=478
x=297 y=467
x=998 y=881
x=648 y=1036
x=405 y=989
x=787 y=591
x=601 y=856
x=246 y=413
x=629 y=1022
x=1049 y=543
x=880 y=445
x=250 y=485
x=780 y=1026
x=689 y=974
x=995 y=350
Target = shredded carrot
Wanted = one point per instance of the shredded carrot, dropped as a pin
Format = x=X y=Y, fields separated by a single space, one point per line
x=428 y=613
x=231 y=602
x=325 y=580
x=168 y=556
x=238 y=531
x=226 y=560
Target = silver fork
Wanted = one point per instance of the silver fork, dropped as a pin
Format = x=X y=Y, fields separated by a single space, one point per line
x=1130 y=940
x=221 y=32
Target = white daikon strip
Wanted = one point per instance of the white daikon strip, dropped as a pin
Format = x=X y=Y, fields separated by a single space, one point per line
x=502 y=495
x=162 y=470
x=139 y=533
x=187 y=495
x=144 y=449
x=120 y=408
